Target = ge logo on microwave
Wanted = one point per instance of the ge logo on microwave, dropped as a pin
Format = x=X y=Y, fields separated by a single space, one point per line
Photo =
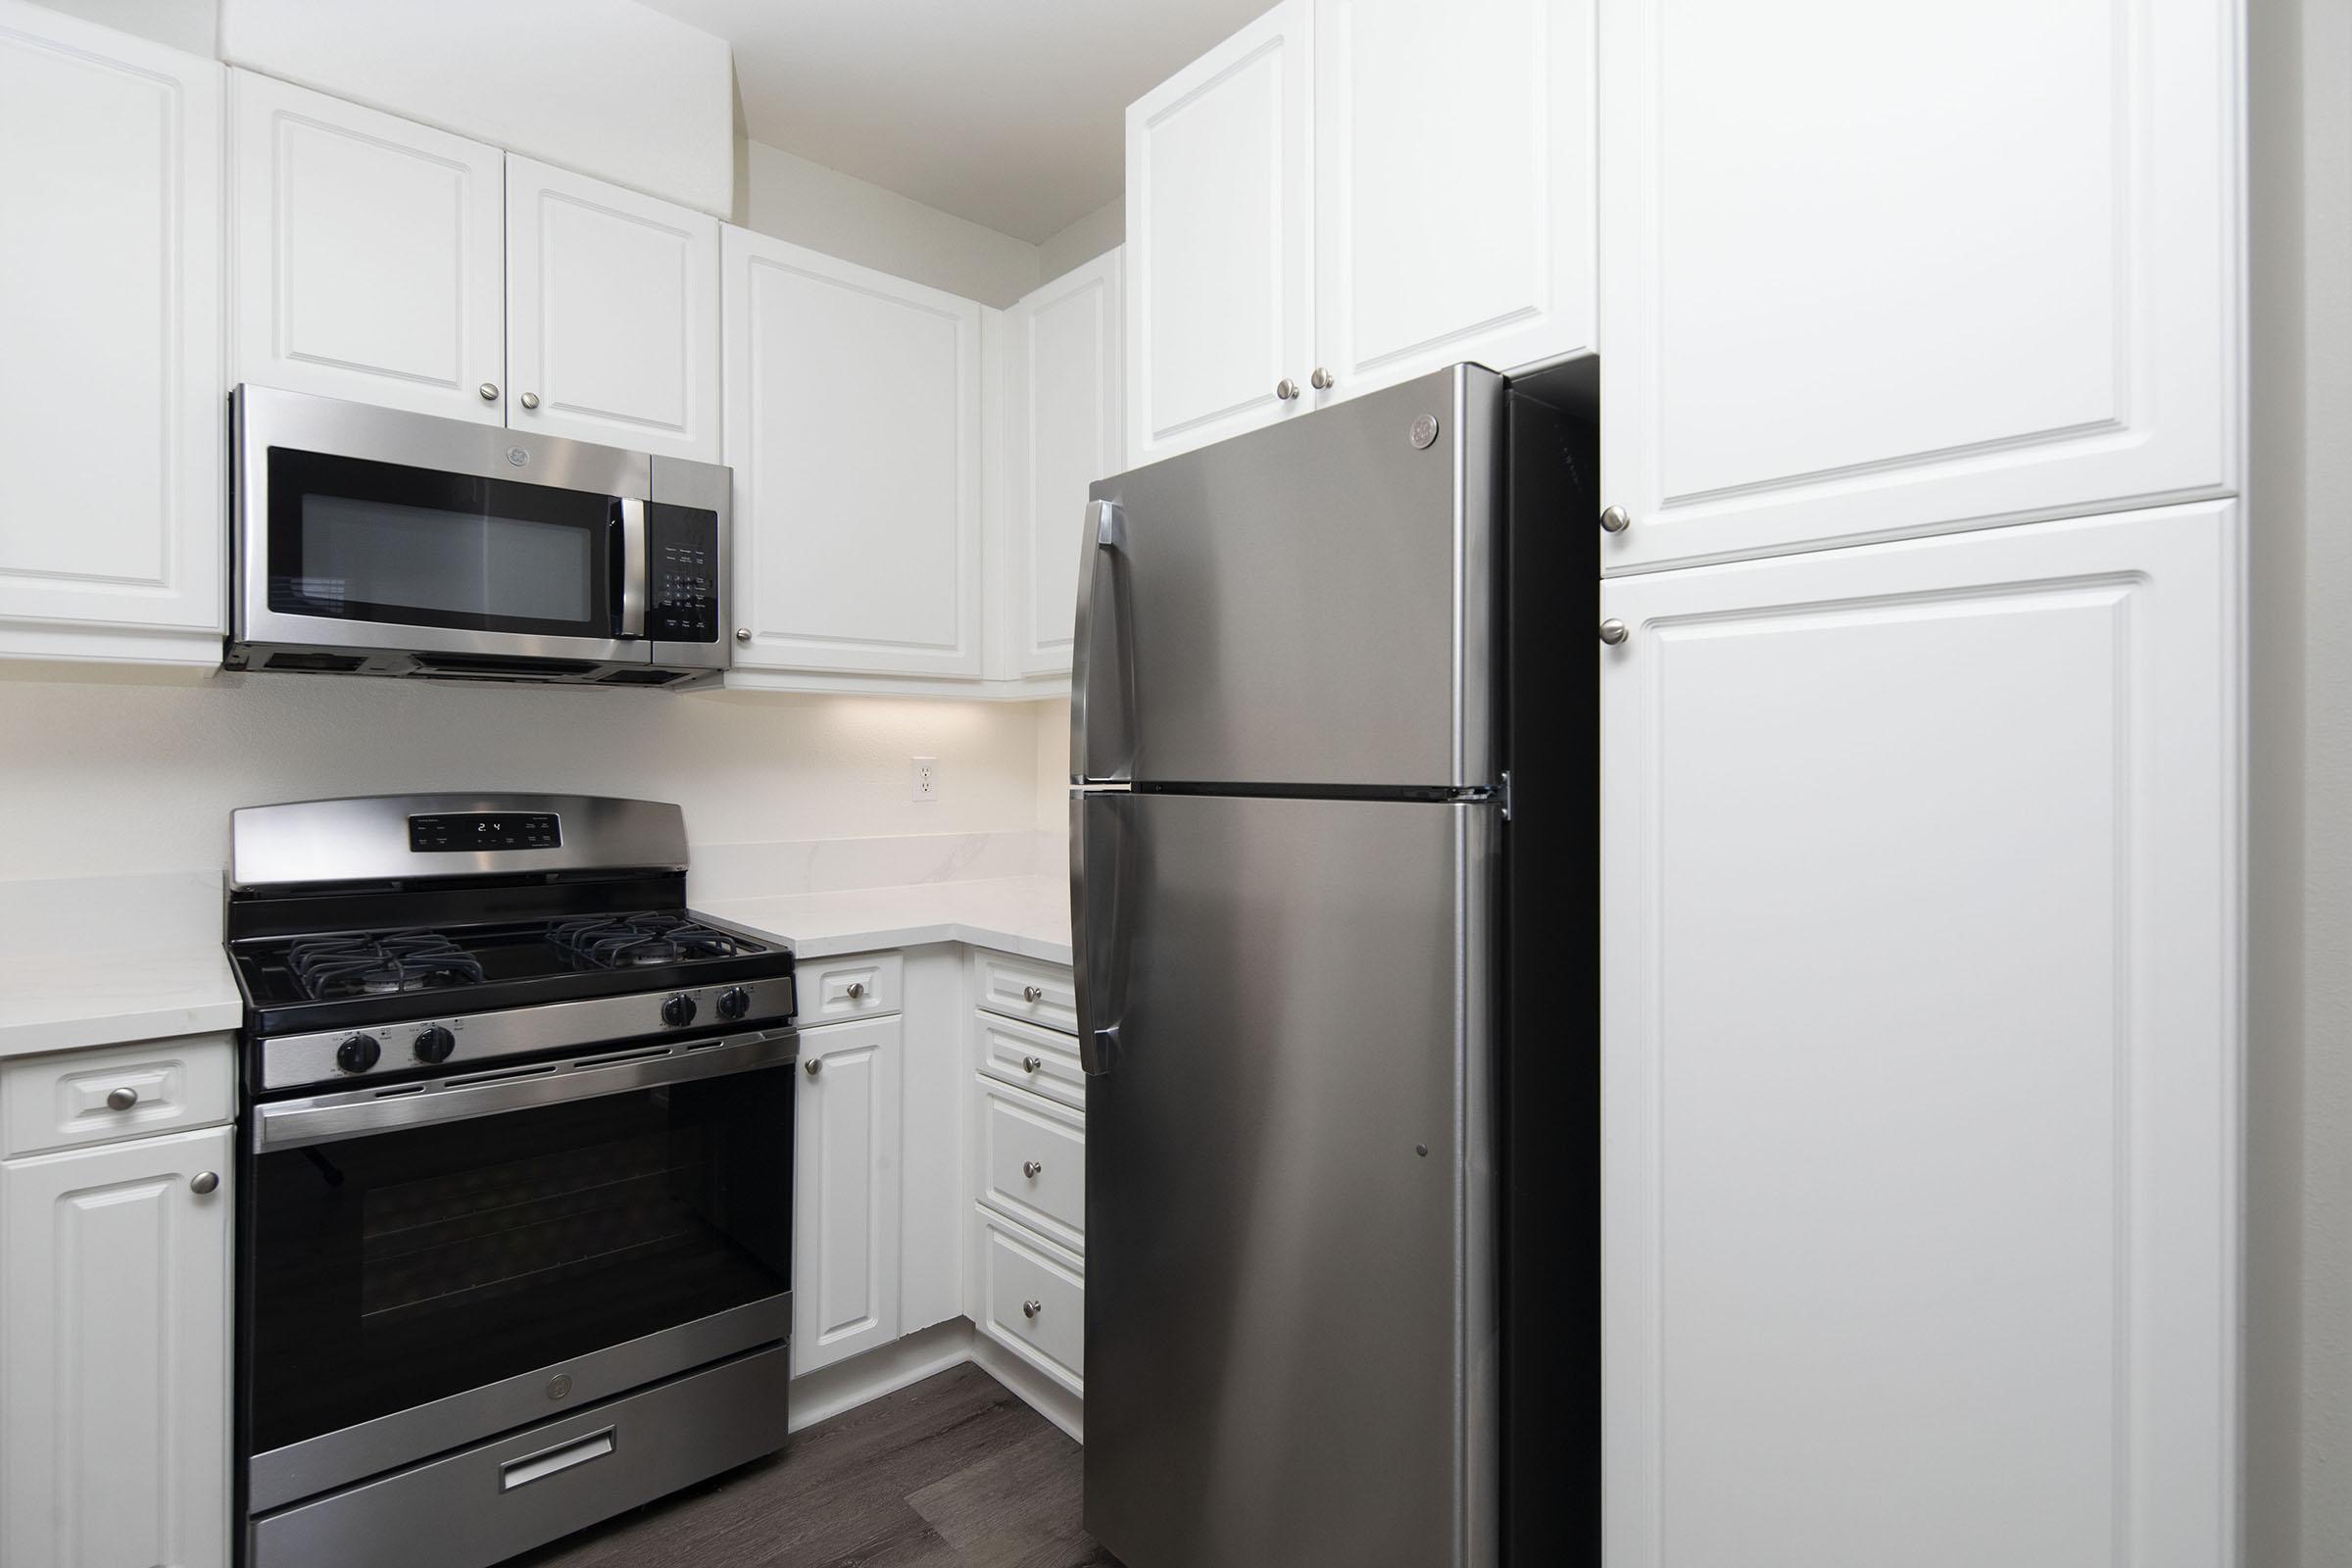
x=518 y=456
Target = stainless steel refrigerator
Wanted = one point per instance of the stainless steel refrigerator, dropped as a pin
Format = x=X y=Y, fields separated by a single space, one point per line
x=1332 y=884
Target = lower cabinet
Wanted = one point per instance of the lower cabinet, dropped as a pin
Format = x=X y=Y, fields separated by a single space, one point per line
x=845 y=1166
x=1921 y=1205
x=114 y=1354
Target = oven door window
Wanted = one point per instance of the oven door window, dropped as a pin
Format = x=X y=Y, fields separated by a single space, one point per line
x=390 y=1270
x=357 y=540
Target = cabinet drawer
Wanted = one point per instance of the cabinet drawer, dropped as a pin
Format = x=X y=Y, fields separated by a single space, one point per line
x=859 y=986
x=61 y=1101
x=1041 y=993
x=1033 y=1162
x=1033 y=1300
x=1037 y=1060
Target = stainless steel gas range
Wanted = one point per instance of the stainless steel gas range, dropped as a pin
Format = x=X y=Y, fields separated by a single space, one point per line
x=516 y=1235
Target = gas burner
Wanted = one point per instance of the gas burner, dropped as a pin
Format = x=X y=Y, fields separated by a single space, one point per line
x=638 y=940
x=378 y=965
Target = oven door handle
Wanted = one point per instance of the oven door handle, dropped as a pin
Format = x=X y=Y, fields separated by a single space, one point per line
x=365 y=1113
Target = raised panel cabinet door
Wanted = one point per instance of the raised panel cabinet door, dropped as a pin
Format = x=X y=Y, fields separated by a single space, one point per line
x=113 y=1355
x=846 y=1192
x=1220 y=240
x=1453 y=187
x=611 y=314
x=1921 y=1053
x=1063 y=434
x=1864 y=276
x=369 y=254
x=854 y=433
x=111 y=433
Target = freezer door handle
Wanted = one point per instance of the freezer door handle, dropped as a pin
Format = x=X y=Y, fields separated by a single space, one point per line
x=1106 y=600
x=1098 y=934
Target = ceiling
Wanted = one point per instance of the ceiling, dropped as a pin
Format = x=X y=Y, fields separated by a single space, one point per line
x=1008 y=113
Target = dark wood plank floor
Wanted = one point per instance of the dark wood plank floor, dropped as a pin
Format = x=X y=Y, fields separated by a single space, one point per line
x=953 y=1472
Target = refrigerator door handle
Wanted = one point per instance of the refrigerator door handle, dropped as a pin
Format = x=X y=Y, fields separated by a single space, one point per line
x=1098 y=566
x=1098 y=830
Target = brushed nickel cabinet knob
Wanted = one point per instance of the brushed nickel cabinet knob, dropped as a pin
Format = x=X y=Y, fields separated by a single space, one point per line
x=1286 y=389
x=1032 y=1169
x=1615 y=519
x=204 y=1183
x=1032 y=1308
x=1031 y=994
x=1322 y=380
x=530 y=399
x=1613 y=632
x=743 y=634
x=1031 y=1063
x=489 y=391
x=857 y=991
x=814 y=1065
x=122 y=1098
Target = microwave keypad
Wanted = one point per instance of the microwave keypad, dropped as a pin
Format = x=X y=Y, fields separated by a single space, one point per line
x=682 y=568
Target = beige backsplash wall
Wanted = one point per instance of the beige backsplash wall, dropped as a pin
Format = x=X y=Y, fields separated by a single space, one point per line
x=108 y=778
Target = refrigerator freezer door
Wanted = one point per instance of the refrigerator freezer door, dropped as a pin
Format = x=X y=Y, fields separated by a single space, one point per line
x=1310 y=603
x=1290 y=1335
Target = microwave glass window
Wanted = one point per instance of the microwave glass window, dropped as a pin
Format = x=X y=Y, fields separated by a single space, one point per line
x=505 y=569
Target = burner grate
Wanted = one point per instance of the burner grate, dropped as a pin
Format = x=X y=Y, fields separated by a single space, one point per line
x=379 y=964
x=633 y=940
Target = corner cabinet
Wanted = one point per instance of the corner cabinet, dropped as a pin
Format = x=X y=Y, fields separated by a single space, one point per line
x=1866 y=277
x=111 y=443
x=1921 y=858
x=852 y=425
x=845 y=1167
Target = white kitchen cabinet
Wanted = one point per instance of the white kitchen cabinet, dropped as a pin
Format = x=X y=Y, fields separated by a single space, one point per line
x=110 y=345
x=1220 y=240
x=852 y=425
x=368 y=255
x=1864 y=277
x=115 y=1354
x=1920 y=1075
x=1061 y=431
x=1453 y=187
x=611 y=314
x=845 y=1167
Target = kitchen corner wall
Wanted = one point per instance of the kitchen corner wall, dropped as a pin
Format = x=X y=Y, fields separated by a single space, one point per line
x=111 y=778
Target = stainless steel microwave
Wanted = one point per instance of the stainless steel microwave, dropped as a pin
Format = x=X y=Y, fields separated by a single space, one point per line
x=373 y=542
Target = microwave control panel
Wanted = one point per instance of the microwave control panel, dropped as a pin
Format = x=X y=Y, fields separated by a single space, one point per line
x=681 y=568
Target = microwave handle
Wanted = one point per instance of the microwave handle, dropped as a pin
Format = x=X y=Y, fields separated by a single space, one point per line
x=632 y=567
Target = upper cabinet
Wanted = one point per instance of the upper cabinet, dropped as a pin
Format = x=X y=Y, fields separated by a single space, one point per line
x=389 y=263
x=370 y=255
x=1060 y=432
x=111 y=436
x=1220 y=327
x=1867 y=278
x=611 y=314
x=1346 y=194
x=852 y=426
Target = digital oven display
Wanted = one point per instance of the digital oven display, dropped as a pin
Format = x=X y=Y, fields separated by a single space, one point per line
x=460 y=832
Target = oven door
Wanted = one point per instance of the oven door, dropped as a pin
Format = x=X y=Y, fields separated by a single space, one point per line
x=425 y=1266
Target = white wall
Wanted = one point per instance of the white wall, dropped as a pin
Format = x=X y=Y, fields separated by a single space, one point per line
x=1098 y=231
x=1053 y=766
x=189 y=24
x=108 y=778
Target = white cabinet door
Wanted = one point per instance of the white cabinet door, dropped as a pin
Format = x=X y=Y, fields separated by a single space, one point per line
x=853 y=430
x=111 y=433
x=368 y=255
x=1867 y=275
x=114 y=1356
x=1061 y=433
x=611 y=314
x=1220 y=239
x=1453 y=186
x=1921 y=1051
x=846 y=1192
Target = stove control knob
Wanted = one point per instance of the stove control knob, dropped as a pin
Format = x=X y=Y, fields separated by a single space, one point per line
x=434 y=1044
x=357 y=1053
x=678 y=1010
x=734 y=1003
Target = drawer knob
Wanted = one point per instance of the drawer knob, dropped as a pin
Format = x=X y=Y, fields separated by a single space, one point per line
x=743 y=634
x=1615 y=519
x=530 y=399
x=1033 y=994
x=1286 y=389
x=1032 y=1308
x=1031 y=1063
x=204 y=1183
x=857 y=990
x=815 y=1065
x=122 y=1098
x=1614 y=633
x=1033 y=1168
x=1322 y=380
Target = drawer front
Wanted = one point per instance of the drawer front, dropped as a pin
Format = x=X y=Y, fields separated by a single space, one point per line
x=1041 y=993
x=1033 y=1162
x=861 y=985
x=1035 y=1301
x=133 y=1091
x=1034 y=1057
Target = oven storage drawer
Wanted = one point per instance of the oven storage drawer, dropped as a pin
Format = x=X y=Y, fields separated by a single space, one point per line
x=484 y=1504
x=133 y=1091
x=1022 y=988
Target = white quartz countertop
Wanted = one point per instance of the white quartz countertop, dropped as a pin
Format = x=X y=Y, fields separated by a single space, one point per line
x=1027 y=916
x=99 y=960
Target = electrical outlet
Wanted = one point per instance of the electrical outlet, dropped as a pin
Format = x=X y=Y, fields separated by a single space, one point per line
x=925 y=777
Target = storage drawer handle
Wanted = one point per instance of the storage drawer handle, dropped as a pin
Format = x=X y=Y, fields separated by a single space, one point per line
x=1032 y=1308
x=1031 y=994
x=551 y=1461
x=815 y=1065
x=857 y=990
x=1033 y=1169
x=122 y=1098
x=1031 y=1063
